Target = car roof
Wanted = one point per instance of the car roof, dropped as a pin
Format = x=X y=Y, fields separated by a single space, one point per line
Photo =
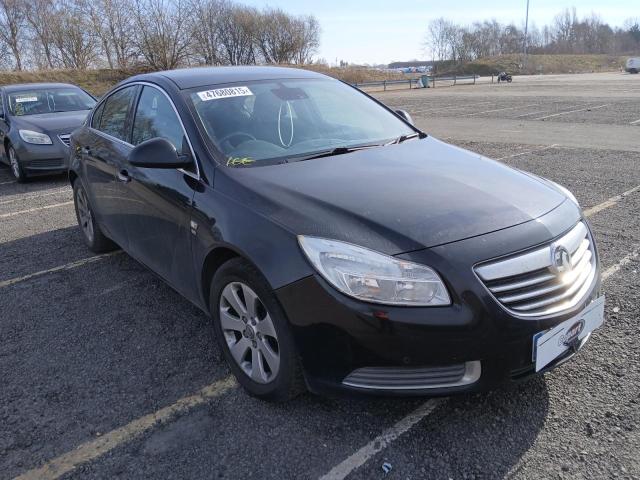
x=16 y=87
x=186 y=78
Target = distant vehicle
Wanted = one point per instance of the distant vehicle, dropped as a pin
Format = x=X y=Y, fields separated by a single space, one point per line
x=36 y=120
x=336 y=246
x=504 y=77
x=633 y=65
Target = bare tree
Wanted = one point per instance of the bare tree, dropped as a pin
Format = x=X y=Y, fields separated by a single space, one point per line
x=236 y=35
x=204 y=29
x=12 y=17
x=114 y=27
x=308 y=39
x=71 y=32
x=161 y=32
x=39 y=15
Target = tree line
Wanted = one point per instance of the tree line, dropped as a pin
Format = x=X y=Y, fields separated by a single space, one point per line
x=568 y=34
x=158 y=34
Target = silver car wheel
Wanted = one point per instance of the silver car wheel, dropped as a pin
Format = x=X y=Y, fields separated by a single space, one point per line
x=13 y=160
x=249 y=332
x=85 y=217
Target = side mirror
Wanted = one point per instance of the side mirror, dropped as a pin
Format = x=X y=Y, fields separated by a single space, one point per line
x=158 y=153
x=405 y=115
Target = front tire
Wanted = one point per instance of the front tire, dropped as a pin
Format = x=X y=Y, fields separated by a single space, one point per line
x=93 y=237
x=16 y=168
x=254 y=333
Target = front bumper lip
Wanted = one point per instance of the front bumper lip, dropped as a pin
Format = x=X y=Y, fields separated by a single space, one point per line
x=42 y=159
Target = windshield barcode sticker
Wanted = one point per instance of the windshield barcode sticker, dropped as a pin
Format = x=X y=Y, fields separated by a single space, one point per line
x=26 y=99
x=224 y=93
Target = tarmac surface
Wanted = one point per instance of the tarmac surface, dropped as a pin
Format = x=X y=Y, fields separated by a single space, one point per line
x=106 y=372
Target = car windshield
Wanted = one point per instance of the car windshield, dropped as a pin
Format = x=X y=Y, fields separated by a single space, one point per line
x=50 y=100
x=290 y=119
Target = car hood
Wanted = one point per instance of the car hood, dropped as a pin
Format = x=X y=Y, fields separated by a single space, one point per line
x=58 y=122
x=393 y=199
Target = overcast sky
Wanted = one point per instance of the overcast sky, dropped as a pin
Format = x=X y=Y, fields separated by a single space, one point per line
x=381 y=31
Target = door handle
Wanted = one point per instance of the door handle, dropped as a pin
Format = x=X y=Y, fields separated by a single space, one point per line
x=123 y=176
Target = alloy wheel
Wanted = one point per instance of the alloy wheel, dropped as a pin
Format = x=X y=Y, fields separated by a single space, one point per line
x=84 y=214
x=249 y=332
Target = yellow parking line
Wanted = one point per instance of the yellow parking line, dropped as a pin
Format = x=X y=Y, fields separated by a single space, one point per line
x=95 y=448
x=610 y=202
x=30 y=210
x=66 y=266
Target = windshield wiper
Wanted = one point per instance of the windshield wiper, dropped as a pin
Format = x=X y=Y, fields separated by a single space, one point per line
x=405 y=137
x=334 y=151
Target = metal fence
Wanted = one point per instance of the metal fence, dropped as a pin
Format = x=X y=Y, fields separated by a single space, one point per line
x=413 y=82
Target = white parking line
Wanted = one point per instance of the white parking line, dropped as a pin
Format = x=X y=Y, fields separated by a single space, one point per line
x=530 y=113
x=95 y=448
x=7 y=183
x=529 y=151
x=572 y=111
x=610 y=202
x=498 y=110
x=30 y=210
x=624 y=261
x=36 y=195
x=635 y=121
x=381 y=442
x=450 y=107
x=67 y=266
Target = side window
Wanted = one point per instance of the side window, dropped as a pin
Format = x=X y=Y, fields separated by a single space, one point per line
x=113 y=120
x=155 y=117
x=95 y=119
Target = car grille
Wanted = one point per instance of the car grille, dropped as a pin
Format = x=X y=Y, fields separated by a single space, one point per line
x=414 y=378
x=65 y=138
x=47 y=163
x=538 y=282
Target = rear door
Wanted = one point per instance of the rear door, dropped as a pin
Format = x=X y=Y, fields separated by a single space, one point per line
x=159 y=200
x=105 y=149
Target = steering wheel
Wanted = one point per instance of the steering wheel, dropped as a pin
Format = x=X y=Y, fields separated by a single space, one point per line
x=227 y=138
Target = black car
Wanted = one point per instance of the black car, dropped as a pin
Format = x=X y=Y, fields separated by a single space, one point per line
x=336 y=246
x=36 y=120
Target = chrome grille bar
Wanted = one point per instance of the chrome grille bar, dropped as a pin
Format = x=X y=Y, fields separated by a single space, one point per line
x=65 y=138
x=529 y=284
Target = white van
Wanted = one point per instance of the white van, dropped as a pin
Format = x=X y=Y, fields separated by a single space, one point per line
x=633 y=65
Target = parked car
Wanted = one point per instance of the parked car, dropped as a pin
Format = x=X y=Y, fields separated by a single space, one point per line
x=336 y=246
x=36 y=120
x=633 y=65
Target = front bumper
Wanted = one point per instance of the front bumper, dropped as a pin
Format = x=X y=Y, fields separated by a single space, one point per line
x=341 y=339
x=43 y=159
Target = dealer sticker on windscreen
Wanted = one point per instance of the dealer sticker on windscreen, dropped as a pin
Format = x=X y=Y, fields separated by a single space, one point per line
x=550 y=344
x=224 y=93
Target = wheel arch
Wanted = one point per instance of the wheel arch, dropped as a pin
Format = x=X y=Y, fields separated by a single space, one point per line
x=216 y=257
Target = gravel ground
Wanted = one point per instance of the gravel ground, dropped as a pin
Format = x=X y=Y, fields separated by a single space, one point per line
x=87 y=350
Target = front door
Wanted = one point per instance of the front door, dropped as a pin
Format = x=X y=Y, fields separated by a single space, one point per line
x=159 y=200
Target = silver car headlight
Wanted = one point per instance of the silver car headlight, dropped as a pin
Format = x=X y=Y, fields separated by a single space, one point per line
x=374 y=277
x=38 y=138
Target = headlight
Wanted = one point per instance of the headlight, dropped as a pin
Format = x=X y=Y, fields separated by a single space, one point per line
x=564 y=190
x=374 y=277
x=30 y=136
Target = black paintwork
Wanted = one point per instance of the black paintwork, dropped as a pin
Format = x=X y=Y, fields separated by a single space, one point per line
x=423 y=200
x=31 y=156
